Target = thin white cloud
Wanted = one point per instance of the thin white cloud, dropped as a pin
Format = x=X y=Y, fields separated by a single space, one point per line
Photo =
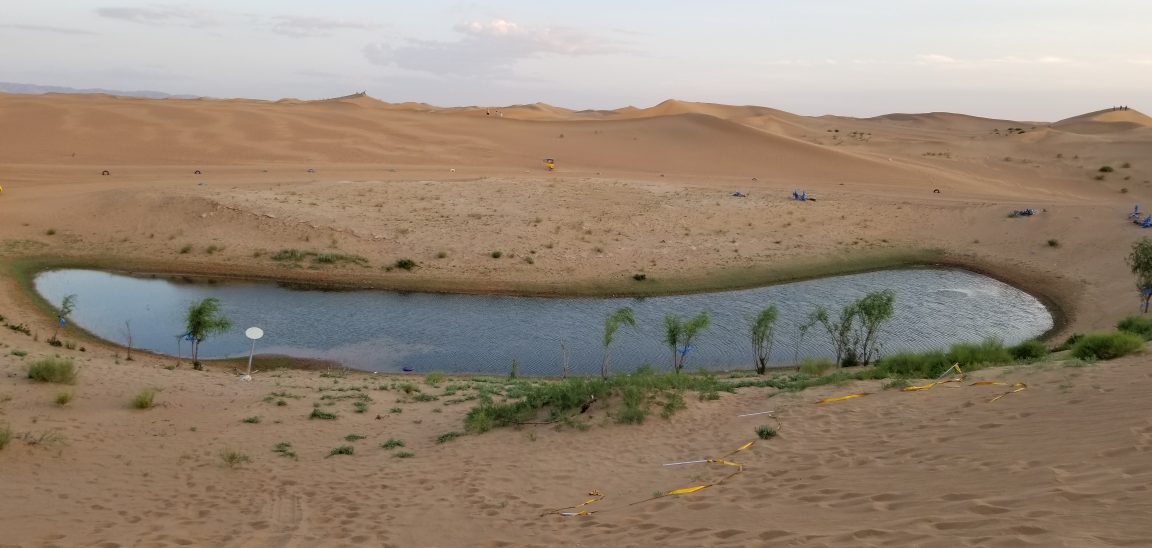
x=302 y=26
x=57 y=30
x=194 y=17
x=933 y=58
x=488 y=49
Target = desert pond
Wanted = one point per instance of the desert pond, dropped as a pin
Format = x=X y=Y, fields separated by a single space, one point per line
x=379 y=330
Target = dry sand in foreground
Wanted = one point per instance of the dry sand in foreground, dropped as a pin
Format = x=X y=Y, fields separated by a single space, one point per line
x=1065 y=462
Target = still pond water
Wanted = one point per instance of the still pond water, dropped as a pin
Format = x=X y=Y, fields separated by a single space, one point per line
x=387 y=330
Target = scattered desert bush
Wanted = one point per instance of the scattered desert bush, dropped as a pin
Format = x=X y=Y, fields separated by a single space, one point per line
x=290 y=254
x=1053 y=242
x=63 y=398
x=392 y=443
x=284 y=449
x=1106 y=169
x=434 y=378
x=1028 y=350
x=57 y=370
x=323 y=415
x=448 y=436
x=406 y=264
x=342 y=450
x=187 y=248
x=404 y=455
x=5 y=436
x=816 y=366
x=233 y=458
x=497 y=254
x=765 y=432
x=1137 y=325
x=1107 y=345
x=51 y=231
x=353 y=437
x=252 y=420
x=19 y=353
x=143 y=399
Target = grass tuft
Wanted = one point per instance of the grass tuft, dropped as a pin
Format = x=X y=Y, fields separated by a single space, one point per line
x=448 y=436
x=342 y=450
x=63 y=398
x=323 y=415
x=434 y=378
x=392 y=443
x=406 y=264
x=284 y=449
x=252 y=420
x=497 y=254
x=1107 y=345
x=1028 y=350
x=233 y=458
x=765 y=432
x=57 y=370
x=5 y=436
x=404 y=455
x=353 y=437
x=1136 y=325
x=816 y=366
x=143 y=399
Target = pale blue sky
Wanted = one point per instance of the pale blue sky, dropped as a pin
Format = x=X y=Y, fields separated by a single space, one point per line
x=1024 y=59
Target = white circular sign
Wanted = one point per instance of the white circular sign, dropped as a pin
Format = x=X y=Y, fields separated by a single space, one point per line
x=254 y=333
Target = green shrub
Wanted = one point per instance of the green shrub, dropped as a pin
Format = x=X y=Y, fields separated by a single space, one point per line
x=1137 y=325
x=989 y=352
x=404 y=455
x=290 y=255
x=1069 y=342
x=252 y=420
x=1028 y=350
x=233 y=458
x=1106 y=169
x=406 y=264
x=914 y=365
x=143 y=399
x=497 y=254
x=284 y=449
x=57 y=370
x=639 y=277
x=434 y=378
x=425 y=397
x=342 y=450
x=392 y=443
x=1107 y=345
x=63 y=398
x=353 y=437
x=19 y=353
x=186 y=249
x=765 y=432
x=323 y=415
x=448 y=436
x=5 y=436
x=815 y=366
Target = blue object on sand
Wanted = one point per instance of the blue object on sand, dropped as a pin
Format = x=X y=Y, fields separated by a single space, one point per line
x=408 y=369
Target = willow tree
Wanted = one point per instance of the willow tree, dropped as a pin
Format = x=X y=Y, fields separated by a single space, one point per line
x=203 y=320
x=622 y=316
x=839 y=330
x=1140 y=261
x=873 y=311
x=66 y=308
x=679 y=333
x=763 y=332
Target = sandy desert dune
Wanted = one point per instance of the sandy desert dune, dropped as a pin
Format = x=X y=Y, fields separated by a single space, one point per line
x=636 y=190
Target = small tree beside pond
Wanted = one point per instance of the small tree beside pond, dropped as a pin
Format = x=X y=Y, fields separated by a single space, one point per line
x=679 y=333
x=202 y=320
x=66 y=308
x=855 y=333
x=622 y=316
x=763 y=335
x=1140 y=261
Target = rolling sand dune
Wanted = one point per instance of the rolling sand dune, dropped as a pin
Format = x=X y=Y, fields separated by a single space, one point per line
x=1063 y=463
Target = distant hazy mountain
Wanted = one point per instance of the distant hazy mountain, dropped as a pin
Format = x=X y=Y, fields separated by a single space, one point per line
x=37 y=90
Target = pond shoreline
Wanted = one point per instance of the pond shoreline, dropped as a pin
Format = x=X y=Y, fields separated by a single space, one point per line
x=32 y=268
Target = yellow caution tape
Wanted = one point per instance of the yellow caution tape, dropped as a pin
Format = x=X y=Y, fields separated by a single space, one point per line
x=684 y=491
x=841 y=398
x=1021 y=386
x=931 y=384
x=687 y=490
